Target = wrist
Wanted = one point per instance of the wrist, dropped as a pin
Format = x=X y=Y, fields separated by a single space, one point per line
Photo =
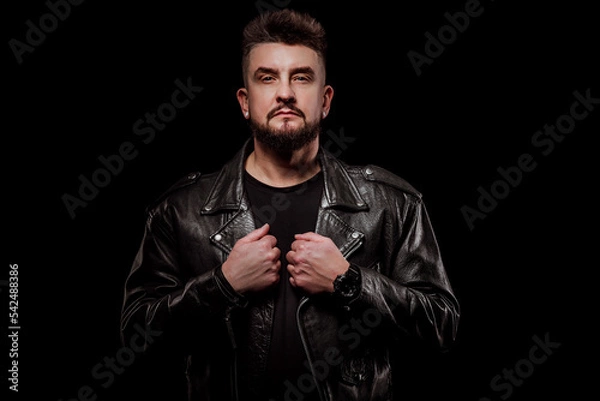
x=229 y=278
x=233 y=296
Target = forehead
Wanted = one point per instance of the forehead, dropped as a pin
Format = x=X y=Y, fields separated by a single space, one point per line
x=282 y=57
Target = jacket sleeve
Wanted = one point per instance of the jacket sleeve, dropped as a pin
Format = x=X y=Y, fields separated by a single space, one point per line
x=159 y=298
x=415 y=297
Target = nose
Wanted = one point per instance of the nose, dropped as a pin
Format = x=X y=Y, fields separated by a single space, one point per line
x=285 y=93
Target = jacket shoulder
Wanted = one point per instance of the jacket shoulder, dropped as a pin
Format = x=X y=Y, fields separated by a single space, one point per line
x=383 y=176
x=183 y=182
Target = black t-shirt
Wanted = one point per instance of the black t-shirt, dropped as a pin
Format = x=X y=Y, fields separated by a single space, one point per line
x=289 y=211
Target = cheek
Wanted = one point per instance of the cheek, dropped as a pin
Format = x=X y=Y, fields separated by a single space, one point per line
x=313 y=113
x=258 y=109
x=313 y=106
x=258 y=101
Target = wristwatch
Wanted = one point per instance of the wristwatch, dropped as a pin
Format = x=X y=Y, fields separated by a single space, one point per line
x=347 y=286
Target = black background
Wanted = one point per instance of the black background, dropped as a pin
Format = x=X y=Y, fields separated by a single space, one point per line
x=525 y=270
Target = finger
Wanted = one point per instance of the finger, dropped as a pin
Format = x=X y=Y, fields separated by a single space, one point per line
x=299 y=245
x=294 y=272
x=257 y=234
x=272 y=255
x=291 y=269
x=276 y=254
x=308 y=236
x=270 y=240
x=292 y=282
x=291 y=257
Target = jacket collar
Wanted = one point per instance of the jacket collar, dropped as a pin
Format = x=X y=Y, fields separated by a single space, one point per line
x=227 y=193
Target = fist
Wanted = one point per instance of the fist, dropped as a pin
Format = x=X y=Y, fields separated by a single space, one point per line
x=314 y=263
x=253 y=264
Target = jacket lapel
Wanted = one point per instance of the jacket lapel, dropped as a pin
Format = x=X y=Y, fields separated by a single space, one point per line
x=227 y=197
x=340 y=192
x=346 y=237
x=240 y=224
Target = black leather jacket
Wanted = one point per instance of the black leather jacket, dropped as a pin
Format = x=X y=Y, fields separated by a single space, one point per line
x=379 y=223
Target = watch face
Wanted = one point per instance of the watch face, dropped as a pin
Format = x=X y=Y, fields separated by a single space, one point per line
x=343 y=285
x=347 y=285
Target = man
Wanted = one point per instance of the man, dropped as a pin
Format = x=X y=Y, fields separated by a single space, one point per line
x=287 y=274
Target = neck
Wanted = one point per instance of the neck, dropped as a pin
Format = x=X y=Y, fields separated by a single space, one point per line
x=283 y=170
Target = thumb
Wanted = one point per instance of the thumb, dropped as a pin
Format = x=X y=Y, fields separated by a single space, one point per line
x=257 y=233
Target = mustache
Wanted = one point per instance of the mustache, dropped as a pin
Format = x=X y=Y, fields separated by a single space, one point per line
x=288 y=106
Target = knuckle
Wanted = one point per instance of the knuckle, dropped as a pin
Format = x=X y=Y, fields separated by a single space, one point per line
x=273 y=254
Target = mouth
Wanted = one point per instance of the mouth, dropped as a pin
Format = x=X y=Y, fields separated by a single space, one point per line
x=286 y=113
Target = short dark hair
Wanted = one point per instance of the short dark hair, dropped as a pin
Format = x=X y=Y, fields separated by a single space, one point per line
x=283 y=26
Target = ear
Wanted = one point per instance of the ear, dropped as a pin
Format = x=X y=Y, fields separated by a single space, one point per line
x=327 y=97
x=242 y=98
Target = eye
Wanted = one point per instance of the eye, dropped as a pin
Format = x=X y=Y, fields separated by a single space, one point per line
x=302 y=78
x=267 y=79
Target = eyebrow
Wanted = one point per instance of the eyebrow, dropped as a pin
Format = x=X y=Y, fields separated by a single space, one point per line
x=298 y=70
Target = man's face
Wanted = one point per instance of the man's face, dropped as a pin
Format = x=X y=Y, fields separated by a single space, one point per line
x=286 y=97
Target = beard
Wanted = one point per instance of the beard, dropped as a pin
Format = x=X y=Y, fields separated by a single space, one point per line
x=285 y=140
